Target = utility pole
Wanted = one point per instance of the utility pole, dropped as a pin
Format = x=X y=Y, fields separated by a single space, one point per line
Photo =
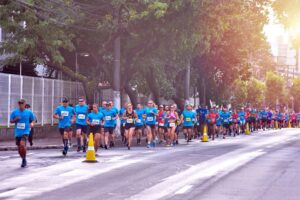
x=117 y=64
x=187 y=85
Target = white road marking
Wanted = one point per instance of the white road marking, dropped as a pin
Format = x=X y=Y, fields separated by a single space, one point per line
x=184 y=189
x=223 y=164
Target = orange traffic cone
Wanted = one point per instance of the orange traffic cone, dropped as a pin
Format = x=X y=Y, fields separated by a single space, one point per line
x=90 y=153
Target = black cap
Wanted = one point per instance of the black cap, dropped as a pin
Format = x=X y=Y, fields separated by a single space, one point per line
x=65 y=100
x=21 y=101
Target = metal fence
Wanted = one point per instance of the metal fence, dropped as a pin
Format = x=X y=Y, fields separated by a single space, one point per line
x=42 y=94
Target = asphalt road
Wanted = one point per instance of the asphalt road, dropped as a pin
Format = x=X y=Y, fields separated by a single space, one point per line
x=262 y=166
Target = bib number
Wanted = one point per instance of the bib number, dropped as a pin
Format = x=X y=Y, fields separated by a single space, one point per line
x=188 y=119
x=64 y=113
x=172 y=124
x=96 y=121
x=138 y=121
x=150 y=119
x=129 y=121
x=81 y=116
x=225 y=120
x=108 y=118
x=161 y=124
x=21 y=126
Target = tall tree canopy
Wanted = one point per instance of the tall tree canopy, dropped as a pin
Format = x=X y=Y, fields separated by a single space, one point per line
x=159 y=39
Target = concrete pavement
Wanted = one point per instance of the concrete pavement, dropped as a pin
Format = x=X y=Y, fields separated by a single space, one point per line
x=259 y=166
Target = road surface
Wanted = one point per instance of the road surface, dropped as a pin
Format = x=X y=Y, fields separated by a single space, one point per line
x=262 y=166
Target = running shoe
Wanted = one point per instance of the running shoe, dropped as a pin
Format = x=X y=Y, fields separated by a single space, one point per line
x=24 y=162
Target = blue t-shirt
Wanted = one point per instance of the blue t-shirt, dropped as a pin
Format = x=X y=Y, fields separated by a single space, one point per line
x=264 y=114
x=108 y=115
x=140 y=118
x=188 y=118
x=225 y=117
x=95 y=118
x=67 y=113
x=116 y=113
x=22 y=126
x=202 y=112
x=122 y=111
x=242 y=115
x=279 y=116
x=81 y=114
x=270 y=115
x=150 y=117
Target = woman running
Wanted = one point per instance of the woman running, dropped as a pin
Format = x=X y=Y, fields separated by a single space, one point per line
x=161 y=123
x=172 y=117
x=130 y=116
x=94 y=120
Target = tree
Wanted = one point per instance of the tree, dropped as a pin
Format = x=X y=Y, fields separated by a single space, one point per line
x=295 y=93
x=255 y=92
x=233 y=55
x=274 y=89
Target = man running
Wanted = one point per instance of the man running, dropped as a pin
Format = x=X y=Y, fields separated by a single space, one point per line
x=66 y=116
x=188 y=117
x=150 y=115
x=81 y=110
x=211 y=120
x=139 y=123
x=23 y=120
x=109 y=123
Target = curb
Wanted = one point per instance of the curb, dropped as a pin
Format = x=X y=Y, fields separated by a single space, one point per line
x=15 y=148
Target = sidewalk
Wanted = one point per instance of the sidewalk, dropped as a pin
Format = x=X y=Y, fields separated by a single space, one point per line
x=52 y=143
x=43 y=143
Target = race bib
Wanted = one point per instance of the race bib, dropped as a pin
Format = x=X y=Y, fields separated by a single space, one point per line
x=172 y=124
x=96 y=121
x=188 y=119
x=129 y=121
x=21 y=126
x=64 y=113
x=225 y=120
x=81 y=116
x=138 y=121
x=150 y=119
x=108 y=118
x=161 y=124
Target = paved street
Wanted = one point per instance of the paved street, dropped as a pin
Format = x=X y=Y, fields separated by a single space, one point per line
x=264 y=165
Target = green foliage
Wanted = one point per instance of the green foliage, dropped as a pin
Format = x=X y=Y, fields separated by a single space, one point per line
x=274 y=89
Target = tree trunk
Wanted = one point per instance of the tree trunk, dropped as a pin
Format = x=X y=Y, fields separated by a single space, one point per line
x=132 y=95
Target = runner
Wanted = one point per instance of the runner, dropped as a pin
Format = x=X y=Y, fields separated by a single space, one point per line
x=264 y=119
x=225 y=121
x=122 y=124
x=66 y=116
x=113 y=136
x=109 y=123
x=94 y=120
x=172 y=117
x=81 y=110
x=139 y=123
x=242 y=120
x=161 y=123
x=188 y=118
x=23 y=120
x=101 y=109
x=234 y=121
x=211 y=121
x=130 y=116
x=150 y=115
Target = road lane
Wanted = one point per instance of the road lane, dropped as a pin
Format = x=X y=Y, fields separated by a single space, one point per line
x=159 y=173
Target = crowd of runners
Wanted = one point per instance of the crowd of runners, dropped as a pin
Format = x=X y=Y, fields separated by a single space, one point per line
x=155 y=124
